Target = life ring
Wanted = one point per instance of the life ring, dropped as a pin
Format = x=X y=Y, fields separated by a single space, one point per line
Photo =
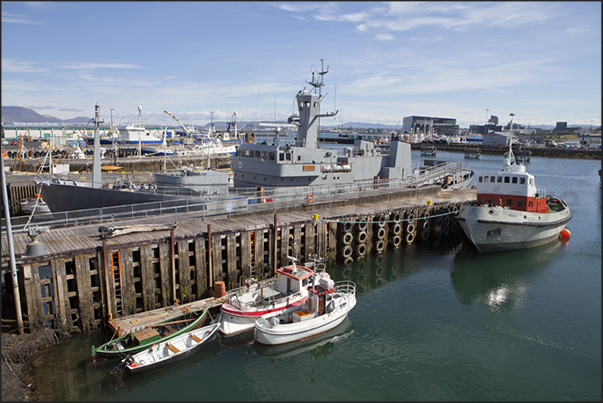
x=380 y=245
x=310 y=198
x=410 y=228
x=380 y=233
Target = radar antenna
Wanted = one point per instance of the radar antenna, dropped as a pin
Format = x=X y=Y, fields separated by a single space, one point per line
x=315 y=81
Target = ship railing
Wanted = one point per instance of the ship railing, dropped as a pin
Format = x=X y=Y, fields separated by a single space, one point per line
x=248 y=200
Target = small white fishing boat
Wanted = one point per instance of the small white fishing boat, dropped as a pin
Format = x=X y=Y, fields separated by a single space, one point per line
x=175 y=349
x=241 y=309
x=328 y=305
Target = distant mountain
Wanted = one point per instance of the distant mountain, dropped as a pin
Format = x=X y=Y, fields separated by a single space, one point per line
x=19 y=114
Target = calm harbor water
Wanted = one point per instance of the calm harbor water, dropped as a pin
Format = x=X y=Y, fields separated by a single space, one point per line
x=432 y=322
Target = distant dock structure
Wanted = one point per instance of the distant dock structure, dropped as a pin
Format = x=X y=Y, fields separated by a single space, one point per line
x=472 y=153
x=428 y=151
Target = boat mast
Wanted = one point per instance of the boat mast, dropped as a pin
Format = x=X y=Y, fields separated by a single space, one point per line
x=97 y=180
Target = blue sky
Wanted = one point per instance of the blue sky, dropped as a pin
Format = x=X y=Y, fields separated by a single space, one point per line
x=464 y=60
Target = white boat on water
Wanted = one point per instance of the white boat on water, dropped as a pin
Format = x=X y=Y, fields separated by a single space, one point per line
x=134 y=134
x=327 y=306
x=511 y=212
x=241 y=309
x=175 y=349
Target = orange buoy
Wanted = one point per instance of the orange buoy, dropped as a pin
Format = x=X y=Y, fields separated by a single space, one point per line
x=565 y=233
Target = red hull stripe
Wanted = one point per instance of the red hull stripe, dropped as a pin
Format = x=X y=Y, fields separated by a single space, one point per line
x=238 y=312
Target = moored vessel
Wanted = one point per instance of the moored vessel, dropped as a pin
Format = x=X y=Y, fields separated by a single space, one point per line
x=241 y=309
x=511 y=212
x=327 y=306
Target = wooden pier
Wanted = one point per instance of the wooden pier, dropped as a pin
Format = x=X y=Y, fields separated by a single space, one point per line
x=83 y=282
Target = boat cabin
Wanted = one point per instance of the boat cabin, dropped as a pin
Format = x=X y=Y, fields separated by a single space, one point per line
x=513 y=189
x=293 y=278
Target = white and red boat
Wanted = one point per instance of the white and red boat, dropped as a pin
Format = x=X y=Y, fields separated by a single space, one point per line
x=241 y=309
x=510 y=212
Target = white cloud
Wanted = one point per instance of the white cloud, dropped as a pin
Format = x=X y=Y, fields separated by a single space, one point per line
x=13 y=66
x=10 y=18
x=92 y=66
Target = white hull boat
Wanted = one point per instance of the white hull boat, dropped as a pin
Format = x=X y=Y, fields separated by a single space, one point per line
x=326 y=308
x=511 y=213
x=175 y=349
x=240 y=310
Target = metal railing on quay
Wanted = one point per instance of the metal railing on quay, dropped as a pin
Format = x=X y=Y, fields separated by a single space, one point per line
x=248 y=200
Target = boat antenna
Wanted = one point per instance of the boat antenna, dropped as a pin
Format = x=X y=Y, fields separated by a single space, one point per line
x=335 y=102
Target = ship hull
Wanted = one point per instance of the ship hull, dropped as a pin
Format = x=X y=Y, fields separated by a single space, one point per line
x=63 y=197
x=497 y=228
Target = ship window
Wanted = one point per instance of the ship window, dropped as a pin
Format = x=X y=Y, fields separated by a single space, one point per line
x=531 y=181
x=515 y=179
x=499 y=179
x=257 y=154
x=519 y=203
x=522 y=181
x=531 y=203
x=480 y=179
x=271 y=156
x=507 y=179
x=486 y=179
x=281 y=156
x=509 y=202
x=264 y=155
x=299 y=157
x=492 y=179
x=288 y=156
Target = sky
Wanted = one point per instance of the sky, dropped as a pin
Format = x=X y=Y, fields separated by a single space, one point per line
x=204 y=61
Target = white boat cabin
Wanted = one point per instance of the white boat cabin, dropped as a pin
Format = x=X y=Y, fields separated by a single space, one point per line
x=513 y=188
x=293 y=278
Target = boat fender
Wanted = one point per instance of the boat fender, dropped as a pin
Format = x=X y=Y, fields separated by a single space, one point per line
x=310 y=198
x=274 y=321
x=129 y=360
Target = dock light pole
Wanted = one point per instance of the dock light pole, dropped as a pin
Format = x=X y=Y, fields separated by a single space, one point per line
x=11 y=249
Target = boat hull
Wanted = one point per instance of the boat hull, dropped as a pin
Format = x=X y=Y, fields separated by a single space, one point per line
x=63 y=197
x=497 y=228
x=236 y=320
x=305 y=322
x=167 y=352
x=298 y=331
x=107 y=350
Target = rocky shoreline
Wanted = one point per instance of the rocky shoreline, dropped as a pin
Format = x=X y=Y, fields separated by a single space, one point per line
x=19 y=353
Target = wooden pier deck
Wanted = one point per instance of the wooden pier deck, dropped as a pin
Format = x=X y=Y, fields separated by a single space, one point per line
x=62 y=241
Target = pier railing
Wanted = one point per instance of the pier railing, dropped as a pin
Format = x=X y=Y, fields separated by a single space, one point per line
x=247 y=200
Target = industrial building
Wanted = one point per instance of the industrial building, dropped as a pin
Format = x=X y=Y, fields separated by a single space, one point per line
x=426 y=125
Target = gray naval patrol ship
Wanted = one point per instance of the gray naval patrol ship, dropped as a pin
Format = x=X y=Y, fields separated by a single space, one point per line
x=303 y=163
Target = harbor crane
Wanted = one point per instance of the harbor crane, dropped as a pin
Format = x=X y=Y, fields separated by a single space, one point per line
x=187 y=131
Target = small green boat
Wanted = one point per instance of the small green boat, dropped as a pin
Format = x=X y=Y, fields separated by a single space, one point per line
x=134 y=342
